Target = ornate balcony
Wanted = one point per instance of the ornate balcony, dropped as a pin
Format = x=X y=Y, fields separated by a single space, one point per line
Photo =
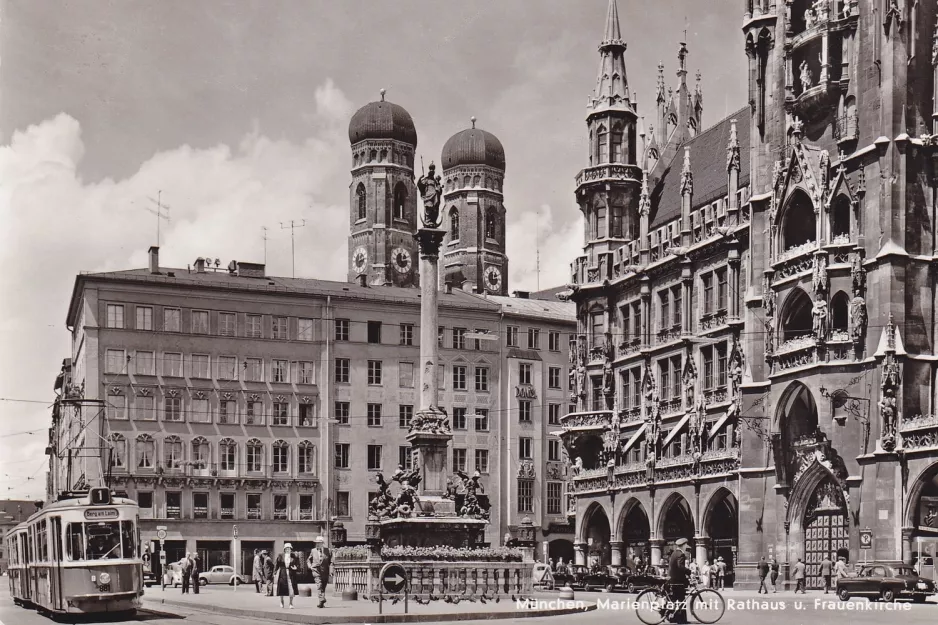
x=797 y=352
x=630 y=346
x=597 y=420
x=669 y=334
x=795 y=260
x=713 y=320
x=613 y=172
x=716 y=395
x=671 y=406
x=919 y=432
x=631 y=415
x=845 y=128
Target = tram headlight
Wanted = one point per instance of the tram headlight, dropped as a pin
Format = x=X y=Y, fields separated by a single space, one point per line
x=104 y=579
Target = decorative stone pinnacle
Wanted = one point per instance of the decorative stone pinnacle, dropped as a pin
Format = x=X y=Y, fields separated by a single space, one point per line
x=383 y=91
x=473 y=120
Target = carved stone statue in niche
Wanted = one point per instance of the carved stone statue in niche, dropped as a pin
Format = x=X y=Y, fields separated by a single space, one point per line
x=858 y=318
x=736 y=367
x=690 y=383
x=806 y=77
x=768 y=297
x=820 y=279
x=858 y=273
x=819 y=313
x=769 y=339
x=888 y=410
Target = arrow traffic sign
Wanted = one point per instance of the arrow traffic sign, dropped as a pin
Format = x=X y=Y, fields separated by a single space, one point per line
x=393 y=578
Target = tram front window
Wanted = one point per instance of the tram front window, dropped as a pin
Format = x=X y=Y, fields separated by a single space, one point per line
x=104 y=540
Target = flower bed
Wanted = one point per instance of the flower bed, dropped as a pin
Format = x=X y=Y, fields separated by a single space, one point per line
x=452 y=554
x=355 y=553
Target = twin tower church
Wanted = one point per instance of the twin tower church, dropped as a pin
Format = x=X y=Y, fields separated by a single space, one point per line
x=385 y=206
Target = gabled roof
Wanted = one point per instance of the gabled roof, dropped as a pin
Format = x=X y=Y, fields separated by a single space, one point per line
x=563 y=312
x=708 y=164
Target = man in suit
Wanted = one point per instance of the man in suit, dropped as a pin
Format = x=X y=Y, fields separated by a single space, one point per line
x=257 y=571
x=826 y=566
x=799 y=575
x=186 y=573
x=268 y=572
x=319 y=561
x=678 y=578
x=763 y=573
x=195 y=573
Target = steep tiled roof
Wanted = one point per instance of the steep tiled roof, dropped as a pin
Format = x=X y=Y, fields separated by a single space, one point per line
x=708 y=164
x=538 y=308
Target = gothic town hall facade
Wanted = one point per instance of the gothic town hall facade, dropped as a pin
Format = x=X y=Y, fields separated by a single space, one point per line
x=755 y=363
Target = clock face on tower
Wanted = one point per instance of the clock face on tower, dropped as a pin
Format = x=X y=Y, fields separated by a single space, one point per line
x=400 y=258
x=360 y=259
x=493 y=279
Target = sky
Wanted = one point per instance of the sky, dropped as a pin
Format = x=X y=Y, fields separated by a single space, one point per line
x=235 y=114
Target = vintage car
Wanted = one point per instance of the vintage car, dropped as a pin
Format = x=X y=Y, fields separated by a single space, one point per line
x=220 y=574
x=887 y=582
x=589 y=579
x=636 y=582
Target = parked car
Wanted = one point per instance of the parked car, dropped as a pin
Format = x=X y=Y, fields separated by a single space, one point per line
x=887 y=582
x=636 y=582
x=220 y=574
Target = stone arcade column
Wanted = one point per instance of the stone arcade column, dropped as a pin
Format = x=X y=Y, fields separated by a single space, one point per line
x=657 y=544
x=702 y=548
x=431 y=432
x=579 y=554
x=616 y=552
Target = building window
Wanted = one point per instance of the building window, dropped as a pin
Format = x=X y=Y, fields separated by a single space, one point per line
x=280 y=369
x=374 y=373
x=306 y=458
x=374 y=457
x=304 y=329
x=374 y=415
x=226 y=324
x=405 y=457
x=459 y=338
x=524 y=411
x=171 y=317
x=145 y=451
x=596 y=388
x=554 y=497
x=173 y=409
x=227 y=367
x=200 y=366
x=440 y=336
x=227 y=412
x=281 y=413
x=227 y=501
x=374 y=331
x=255 y=456
x=199 y=411
x=526 y=448
x=341 y=329
x=526 y=496
x=254 y=506
x=459 y=419
x=144 y=363
x=254 y=370
x=405 y=414
x=598 y=329
x=341 y=455
x=342 y=412
x=199 y=322
x=721 y=289
x=255 y=327
x=482 y=460
x=707 y=293
x=454 y=224
x=441 y=376
x=459 y=378
x=362 y=201
x=342 y=504
x=553 y=341
x=172 y=453
x=459 y=460
x=534 y=338
x=553 y=450
x=280 y=328
x=342 y=370
x=115 y=316
x=664 y=303
x=553 y=377
x=116 y=407
x=228 y=454
x=553 y=414
x=254 y=414
x=144 y=408
x=306 y=373
x=173 y=505
x=482 y=379
x=144 y=318
x=670 y=374
x=172 y=365
x=707 y=353
x=677 y=306
x=281 y=457
x=721 y=365
x=524 y=373
x=306 y=508
x=280 y=507
x=114 y=361
x=512 y=336
x=406 y=374
x=482 y=419
x=407 y=334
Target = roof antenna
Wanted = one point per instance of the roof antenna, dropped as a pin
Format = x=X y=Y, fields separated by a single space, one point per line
x=264 y=236
x=159 y=212
x=537 y=244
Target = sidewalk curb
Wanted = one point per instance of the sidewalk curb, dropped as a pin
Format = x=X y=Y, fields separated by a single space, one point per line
x=375 y=618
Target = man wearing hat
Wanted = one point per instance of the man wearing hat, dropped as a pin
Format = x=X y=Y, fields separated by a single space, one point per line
x=319 y=561
x=721 y=573
x=678 y=578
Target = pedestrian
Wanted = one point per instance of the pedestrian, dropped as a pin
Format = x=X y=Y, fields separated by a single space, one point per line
x=550 y=564
x=714 y=571
x=705 y=574
x=799 y=575
x=195 y=573
x=678 y=579
x=840 y=570
x=774 y=570
x=285 y=571
x=694 y=572
x=721 y=573
x=763 y=573
x=257 y=571
x=186 y=572
x=826 y=568
x=319 y=562
x=268 y=573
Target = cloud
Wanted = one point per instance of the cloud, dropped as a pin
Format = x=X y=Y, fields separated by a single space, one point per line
x=559 y=244
x=56 y=225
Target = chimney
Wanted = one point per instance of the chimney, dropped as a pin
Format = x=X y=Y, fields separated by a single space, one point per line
x=154 y=259
x=251 y=270
x=522 y=294
x=448 y=288
x=200 y=265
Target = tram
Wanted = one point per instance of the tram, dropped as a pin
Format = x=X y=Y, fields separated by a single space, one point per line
x=78 y=555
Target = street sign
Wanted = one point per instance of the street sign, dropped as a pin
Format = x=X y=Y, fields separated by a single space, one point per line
x=866 y=539
x=163 y=558
x=393 y=578
x=161 y=534
x=161 y=527
x=234 y=531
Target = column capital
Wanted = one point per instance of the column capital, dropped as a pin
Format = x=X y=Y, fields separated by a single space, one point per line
x=429 y=241
x=616 y=544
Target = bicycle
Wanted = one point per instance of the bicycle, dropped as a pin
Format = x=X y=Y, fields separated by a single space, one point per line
x=654 y=605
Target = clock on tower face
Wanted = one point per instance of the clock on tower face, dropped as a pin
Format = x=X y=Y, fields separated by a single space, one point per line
x=360 y=259
x=401 y=260
x=493 y=279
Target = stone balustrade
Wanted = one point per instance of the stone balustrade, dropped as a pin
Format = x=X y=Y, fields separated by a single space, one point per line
x=440 y=579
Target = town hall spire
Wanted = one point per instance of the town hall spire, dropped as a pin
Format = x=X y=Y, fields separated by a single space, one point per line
x=612 y=86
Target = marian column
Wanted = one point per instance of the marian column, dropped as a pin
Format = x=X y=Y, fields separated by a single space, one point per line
x=430 y=430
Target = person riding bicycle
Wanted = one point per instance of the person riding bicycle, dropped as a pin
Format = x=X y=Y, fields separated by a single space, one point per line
x=678 y=577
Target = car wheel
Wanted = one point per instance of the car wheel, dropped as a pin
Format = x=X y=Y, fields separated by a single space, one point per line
x=918 y=598
x=843 y=594
x=630 y=588
x=888 y=594
x=203 y=581
x=610 y=587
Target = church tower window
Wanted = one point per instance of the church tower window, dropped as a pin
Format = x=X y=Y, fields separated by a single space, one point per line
x=491 y=229
x=602 y=138
x=362 y=201
x=454 y=224
x=617 y=144
x=400 y=201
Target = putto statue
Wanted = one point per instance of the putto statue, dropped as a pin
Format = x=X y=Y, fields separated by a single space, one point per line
x=434 y=423
x=383 y=505
x=431 y=191
x=807 y=78
x=471 y=506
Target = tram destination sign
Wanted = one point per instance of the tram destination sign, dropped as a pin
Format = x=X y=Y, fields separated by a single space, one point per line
x=98 y=514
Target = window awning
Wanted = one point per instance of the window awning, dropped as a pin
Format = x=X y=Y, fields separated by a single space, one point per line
x=635 y=437
x=722 y=420
x=676 y=429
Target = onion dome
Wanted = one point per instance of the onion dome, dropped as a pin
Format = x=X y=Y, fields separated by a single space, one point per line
x=382 y=120
x=473 y=146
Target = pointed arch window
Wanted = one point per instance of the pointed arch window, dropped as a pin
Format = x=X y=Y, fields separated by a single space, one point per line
x=840 y=220
x=362 y=205
x=840 y=305
x=617 y=154
x=602 y=144
x=228 y=454
x=593 y=150
x=255 y=456
x=201 y=453
x=307 y=458
x=400 y=201
x=281 y=457
x=119 y=451
x=453 y=224
x=491 y=225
